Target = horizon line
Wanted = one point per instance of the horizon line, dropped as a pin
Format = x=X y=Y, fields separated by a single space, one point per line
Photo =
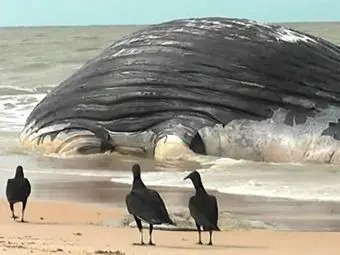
x=125 y=25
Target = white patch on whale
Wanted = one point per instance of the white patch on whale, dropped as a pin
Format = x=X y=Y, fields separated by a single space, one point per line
x=299 y=101
x=272 y=140
x=253 y=84
x=288 y=35
x=125 y=52
x=140 y=37
x=207 y=24
x=241 y=23
x=45 y=130
x=280 y=33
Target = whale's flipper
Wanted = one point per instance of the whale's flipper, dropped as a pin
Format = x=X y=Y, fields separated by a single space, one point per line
x=106 y=142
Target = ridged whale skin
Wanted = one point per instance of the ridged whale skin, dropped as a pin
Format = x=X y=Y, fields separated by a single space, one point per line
x=217 y=86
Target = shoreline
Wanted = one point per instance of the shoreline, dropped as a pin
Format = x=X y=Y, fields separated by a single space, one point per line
x=236 y=211
x=67 y=228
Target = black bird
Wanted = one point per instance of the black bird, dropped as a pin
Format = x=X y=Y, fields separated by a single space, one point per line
x=18 y=189
x=146 y=205
x=203 y=207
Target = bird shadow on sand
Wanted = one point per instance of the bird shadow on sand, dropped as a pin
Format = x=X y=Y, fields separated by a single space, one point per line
x=43 y=223
x=23 y=222
x=210 y=247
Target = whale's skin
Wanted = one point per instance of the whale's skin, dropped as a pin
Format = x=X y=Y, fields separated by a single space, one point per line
x=218 y=86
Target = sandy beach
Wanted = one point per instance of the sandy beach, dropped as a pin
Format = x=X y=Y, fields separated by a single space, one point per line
x=65 y=228
x=69 y=214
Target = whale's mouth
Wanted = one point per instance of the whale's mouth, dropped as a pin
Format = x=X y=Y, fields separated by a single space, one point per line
x=79 y=142
x=66 y=142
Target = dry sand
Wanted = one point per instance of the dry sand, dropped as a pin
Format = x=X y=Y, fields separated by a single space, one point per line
x=65 y=228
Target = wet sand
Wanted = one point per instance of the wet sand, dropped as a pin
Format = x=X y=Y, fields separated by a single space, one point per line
x=65 y=228
x=281 y=214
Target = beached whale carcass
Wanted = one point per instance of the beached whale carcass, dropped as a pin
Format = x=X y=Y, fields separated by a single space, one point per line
x=217 y=86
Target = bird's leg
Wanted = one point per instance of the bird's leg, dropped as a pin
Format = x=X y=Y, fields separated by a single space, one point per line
x=199 y=234
x=140 y=228
x=210 y=237
x=11 y=205
x=150 y=234
x=23 y=210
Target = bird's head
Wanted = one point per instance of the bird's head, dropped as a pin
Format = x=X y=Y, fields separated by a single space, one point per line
x=19 y=172
x=194 y=176
x=136 y=171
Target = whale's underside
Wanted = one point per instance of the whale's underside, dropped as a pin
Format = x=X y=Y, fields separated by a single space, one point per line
x=217 y=86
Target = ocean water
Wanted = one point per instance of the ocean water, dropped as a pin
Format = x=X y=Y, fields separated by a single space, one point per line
x=34 y=60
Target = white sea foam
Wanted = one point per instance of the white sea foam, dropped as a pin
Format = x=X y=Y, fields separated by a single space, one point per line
x=72 y=172
x=14 y=109
x=298 y=183
x=291 y=181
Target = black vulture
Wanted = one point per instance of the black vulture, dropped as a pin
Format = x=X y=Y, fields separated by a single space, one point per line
x=18 y=189
x=146 y=205
x=203 y=207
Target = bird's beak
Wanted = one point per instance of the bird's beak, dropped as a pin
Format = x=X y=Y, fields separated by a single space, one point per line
x=187 y=177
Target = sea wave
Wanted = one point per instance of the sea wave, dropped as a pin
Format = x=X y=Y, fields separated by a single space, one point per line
x=70 y=172
x=13 y=90
x=14 y=109
x=285 y=181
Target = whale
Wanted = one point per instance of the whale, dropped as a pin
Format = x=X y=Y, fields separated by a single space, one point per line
x=224 y=87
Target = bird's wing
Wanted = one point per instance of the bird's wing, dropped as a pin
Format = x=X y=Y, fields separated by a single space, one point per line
x=213 y=214
x=204 y=210
x=197 y=210
x=131 y=203
x=145 y=205
x=9 y=189
x=27 y=187
x=162 y=212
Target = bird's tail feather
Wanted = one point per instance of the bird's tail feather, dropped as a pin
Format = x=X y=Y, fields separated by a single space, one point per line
x=216 y=228
x=171 y=222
